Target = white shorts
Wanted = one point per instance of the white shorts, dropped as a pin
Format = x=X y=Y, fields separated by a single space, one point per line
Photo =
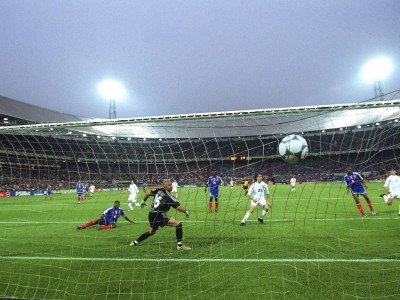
x=394 y=194
x=174 y=190
x=260 y=202
x=132 y=197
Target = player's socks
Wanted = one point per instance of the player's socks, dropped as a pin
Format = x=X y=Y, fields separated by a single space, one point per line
x=386 y=198
x=143 y=237
x=91 y=223
x=216 y=206
x=179 y=232
x=130 y=206
x=210 y=206
x=137 y=204
x=263 y=213
x=360 y=209
x=246 y=216
x=105 y=227
x=370 y=205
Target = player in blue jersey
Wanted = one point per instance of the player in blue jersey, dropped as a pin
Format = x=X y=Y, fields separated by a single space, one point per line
x=79 y=191
x=144 y=187
x=108 y=218
x=49 y=192
x=213 y=182
x=162 y=202
x=355 y=182
x=86 y=190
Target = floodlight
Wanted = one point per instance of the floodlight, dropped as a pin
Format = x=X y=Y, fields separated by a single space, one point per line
x=111 y=89
x=377 y=69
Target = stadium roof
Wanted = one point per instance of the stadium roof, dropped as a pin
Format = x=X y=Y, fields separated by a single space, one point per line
x=261 y=122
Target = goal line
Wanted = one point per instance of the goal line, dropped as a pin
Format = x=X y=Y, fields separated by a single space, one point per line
x=207 y=260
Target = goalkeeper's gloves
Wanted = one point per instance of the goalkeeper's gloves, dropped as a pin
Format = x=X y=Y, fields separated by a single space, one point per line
x=187 y=214
x=143 y=204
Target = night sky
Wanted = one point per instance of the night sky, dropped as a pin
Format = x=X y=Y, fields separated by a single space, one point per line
x=182 y=57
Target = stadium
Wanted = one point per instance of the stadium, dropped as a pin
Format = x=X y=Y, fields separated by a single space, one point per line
x=313 y=244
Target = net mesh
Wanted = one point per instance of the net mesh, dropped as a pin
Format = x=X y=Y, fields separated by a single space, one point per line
x=313 y=243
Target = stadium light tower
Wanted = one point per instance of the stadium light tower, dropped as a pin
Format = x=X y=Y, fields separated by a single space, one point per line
x=376 y=70
x=112 y=91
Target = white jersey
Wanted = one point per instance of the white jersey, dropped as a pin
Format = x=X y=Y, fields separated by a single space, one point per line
x=133 y=189
x=258 y=190
x=231 y=183
x=92 y=188
x=293 y=181
x=393 y=184
x=174 y=187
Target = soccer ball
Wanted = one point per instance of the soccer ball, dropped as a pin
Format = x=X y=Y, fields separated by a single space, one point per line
x=293 y=148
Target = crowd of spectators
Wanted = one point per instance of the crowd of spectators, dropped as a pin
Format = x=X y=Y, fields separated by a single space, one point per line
x=31 y=162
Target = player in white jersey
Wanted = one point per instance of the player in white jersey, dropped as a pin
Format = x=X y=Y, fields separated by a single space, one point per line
x=293 y=184
x=257 y=192
x=133 y=193
x=231 y=184
x=392 y=187
x=174 y=190
x=91 y=188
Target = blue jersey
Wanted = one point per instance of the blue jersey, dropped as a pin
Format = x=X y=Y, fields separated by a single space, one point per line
x=86 y=188
x=214 y=183
x=49 y=190
x=79 y=188
x=112 y=214
x=354 y=181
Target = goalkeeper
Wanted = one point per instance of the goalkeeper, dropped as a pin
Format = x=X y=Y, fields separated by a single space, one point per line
x=162 y=202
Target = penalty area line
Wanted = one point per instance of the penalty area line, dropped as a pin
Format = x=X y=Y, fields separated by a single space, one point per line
x=205 y=260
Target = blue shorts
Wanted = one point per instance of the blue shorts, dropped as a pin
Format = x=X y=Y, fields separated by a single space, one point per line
x=109 y=220
x=358 y=190
x=214 y=192
x=79 y=194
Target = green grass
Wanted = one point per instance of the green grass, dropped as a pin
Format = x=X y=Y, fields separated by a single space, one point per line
x=314 y=244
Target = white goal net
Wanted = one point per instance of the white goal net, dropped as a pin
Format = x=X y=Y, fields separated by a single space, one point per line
x=314 y=243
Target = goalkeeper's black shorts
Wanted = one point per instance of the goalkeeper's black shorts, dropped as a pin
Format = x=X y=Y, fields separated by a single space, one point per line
x=158 y=219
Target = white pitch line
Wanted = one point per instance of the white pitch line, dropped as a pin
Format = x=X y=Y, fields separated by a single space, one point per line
x=206 y=260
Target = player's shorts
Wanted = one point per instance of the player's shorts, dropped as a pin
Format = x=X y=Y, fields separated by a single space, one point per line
x=293 y=185
x=174 y=190
x=245 y=187
x=214 y=192
x=132 y=197
x=157 y=219
x=358 y=190
x=260 y=202
x=79 y=194
x=394 y=194
x=107 y=221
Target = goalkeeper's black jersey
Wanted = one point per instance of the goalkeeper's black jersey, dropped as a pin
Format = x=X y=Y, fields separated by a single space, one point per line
x=162 y=201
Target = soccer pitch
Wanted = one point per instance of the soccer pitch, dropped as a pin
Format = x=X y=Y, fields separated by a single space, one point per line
x=313 y=244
